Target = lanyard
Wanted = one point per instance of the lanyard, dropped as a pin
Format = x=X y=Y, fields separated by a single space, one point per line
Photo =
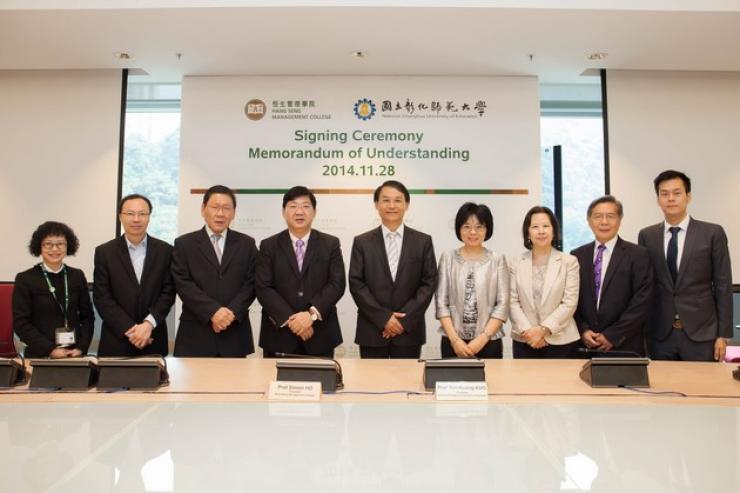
x=53 y=292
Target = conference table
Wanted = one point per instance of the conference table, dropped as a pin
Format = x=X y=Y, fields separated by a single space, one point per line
x=541 y=429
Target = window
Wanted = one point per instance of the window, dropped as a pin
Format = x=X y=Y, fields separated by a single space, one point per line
x=152 y=152
x=571 y=117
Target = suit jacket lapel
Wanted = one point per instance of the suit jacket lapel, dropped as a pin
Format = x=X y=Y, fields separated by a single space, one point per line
x=688 y=246
x=286 y=245
x=553 y=267
x=206 y=247
x=405 y=248
x=126 y=259
x=616 y=258
x=380 y=246
x=588 y=296
x=658 y=238
x=150 y=260
x=311 y=248
x=229 y=250
x=525 y=266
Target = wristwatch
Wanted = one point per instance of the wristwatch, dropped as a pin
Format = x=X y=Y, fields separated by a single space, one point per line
x=314 y=314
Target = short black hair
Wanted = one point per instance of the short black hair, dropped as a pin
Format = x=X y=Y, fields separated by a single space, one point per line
x=605 y=199
x=299 y=191
x=133 y=196
x=53 y=228
x=392 y=184
x=541 y=209
x=670 y=174
x=222 y=190
x=480 y=211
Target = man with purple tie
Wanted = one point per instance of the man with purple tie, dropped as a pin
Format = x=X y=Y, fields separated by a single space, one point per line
x=616 y=284
x=300 y=279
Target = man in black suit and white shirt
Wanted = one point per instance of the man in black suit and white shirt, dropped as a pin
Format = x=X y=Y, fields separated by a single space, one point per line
x=392 y=278
x=133 y=289
x=213 y=269
x=300 y=279
x=616 y=284
x=692 y=313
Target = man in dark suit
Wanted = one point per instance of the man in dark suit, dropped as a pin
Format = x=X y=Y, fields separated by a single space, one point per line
x=213 y=269
x=392 y=278
x=692 y=313
x=616 y=284
x=133 y=288
x=300 y=278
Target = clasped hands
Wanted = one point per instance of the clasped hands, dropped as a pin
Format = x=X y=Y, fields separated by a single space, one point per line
x=535 y=337
x=596 y=340
x=469 y=349
x=140 y=335
x=393 y=326
x=300 y=324
x=222 y=319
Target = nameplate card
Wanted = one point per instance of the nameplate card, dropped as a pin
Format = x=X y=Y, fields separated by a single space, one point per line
x=294 y=391
x=461 y=391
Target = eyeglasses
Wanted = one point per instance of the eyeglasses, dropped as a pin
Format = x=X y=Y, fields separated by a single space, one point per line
x=131 y=214
x=473 y=227
x=225 y=209
x=609 y=217
x=51 y=245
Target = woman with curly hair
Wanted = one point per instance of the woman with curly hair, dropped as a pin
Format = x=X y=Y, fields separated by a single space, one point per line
x=52 y=312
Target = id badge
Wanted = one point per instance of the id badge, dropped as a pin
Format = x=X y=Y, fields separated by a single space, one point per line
x=64 y=336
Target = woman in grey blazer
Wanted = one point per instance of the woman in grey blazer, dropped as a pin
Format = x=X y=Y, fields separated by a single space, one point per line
x=544 y=292
x=472 y=297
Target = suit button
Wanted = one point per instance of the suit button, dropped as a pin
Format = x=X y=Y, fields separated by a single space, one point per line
x=220 y=276
x=300 y=293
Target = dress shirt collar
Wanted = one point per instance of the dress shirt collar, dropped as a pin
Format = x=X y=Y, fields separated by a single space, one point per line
x=49 y=269
x=683 y=225
x=211 y=233
x=142 y=243
x=386 y=231
x=294 y=238
x=609 y=244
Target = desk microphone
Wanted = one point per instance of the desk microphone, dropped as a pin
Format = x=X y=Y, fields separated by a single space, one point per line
x=600 y=353
x=337 y=366
x=16 y=371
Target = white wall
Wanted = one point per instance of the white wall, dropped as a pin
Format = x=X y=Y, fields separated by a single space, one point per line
x=58 y=159
x=503 y=145
x=688 y=121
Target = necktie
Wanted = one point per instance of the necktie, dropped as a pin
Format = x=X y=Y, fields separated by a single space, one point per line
x=672 y=253
x=393 y=253
x=597 y=271
x=215 y=238
x=300 y=253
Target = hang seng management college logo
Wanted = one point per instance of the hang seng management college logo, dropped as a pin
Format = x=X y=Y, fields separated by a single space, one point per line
x=364 y=109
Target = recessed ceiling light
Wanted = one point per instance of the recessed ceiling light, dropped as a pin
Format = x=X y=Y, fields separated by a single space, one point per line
x=122 y=55
x=599 y=55
x=359 y=54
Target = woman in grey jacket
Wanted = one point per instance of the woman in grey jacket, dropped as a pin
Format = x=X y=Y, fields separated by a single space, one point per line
x=472 y=298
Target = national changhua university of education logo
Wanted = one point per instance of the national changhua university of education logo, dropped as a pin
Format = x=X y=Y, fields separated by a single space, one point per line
x=364 y=109
x=255 y=109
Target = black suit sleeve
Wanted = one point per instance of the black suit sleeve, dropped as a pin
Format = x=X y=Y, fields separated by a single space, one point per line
x=108 y=308
x=246 y=293
x=86 y=314
x=161 y=307
x=330 y=293
x=271 y=300
x=578 y=316
x=192 y=296
x=361 y=293
x=416 y=307
x=23 y=318
x=634 y=316
x=722 y=283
